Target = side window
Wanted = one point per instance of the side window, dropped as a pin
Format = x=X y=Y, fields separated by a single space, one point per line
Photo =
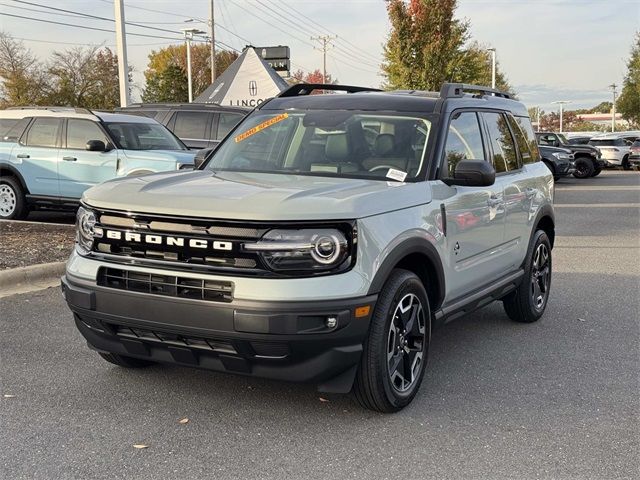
x=12 y=133
x=226 y=123
x=532 y=154
x=191 y=125
x=504 y=157
x=7 y=124
x=79 y=132
x=464 y=140
x=43 y=132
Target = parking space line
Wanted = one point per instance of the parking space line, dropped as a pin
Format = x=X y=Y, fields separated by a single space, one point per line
x=596 y=205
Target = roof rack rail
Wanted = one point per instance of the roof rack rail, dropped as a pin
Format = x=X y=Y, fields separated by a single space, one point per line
x=456 y=90
x=307 y=88
x=52 y=108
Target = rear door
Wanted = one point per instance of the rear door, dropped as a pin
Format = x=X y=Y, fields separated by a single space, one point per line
x=224 y=123
x=79 y=168
x=192 y=127
x=474 y=215
x=36 y=156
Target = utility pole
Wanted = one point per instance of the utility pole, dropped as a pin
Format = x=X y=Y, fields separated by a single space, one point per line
x=493 y=67
x=212 y=33
x=188 y=36
x=121 y=47
x=561 y=103
x=613 y=87
x=325 y=44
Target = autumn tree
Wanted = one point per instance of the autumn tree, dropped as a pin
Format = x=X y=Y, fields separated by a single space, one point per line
x=23 y=80
x=428 y=46
x=300 y=76
x=162 y=74
x=628 y=103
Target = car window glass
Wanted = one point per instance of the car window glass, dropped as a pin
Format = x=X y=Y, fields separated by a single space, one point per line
x=464 y=141
x=504 y=150
x=191 y=125
x=79 y=132
x=226 y=123
x=43 y=132
x=6 y=124
x=524 y=145
x=527 y=129
x=13 y=132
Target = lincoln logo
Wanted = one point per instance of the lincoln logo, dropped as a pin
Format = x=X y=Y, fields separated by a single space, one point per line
x=253 y=88
x=169 y=241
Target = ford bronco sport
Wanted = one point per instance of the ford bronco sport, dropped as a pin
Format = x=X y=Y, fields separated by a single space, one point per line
x=322 y=241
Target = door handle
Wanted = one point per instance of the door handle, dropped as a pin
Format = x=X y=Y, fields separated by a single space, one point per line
x=530 y=192
x=69 y=159
x=23 y=155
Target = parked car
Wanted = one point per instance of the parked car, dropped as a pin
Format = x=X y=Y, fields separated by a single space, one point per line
x=588 y=159
x=198 y=125
x=49 y=157
x=559 y=160
x=580 y=140
x=304 y=250
x=615 y=148
x=634 y=154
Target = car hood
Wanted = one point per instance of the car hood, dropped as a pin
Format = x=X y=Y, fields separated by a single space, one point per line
x=581 y=148
x=255 y=196
x=179 y=156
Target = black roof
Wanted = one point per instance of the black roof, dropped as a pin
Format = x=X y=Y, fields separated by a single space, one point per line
x=184 y=106
x=451 y=96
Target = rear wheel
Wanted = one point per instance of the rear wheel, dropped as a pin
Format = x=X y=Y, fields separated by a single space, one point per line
x=123 y=361
x=584 y=168
x=528 y=302
x=395 y=353
x=13 y=205
x=596 y=172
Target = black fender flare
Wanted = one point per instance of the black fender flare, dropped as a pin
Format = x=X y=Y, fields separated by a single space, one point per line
x=403 y=249
x=14 y=171
x=545 y=211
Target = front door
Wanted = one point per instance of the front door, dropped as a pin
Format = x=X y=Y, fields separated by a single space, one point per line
x=474 y=215
x=78 y=168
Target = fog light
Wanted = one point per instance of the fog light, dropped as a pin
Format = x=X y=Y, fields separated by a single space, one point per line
x=331 y=322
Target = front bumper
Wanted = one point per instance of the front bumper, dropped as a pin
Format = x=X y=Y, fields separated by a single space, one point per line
x=634 y=160
x=278 y=340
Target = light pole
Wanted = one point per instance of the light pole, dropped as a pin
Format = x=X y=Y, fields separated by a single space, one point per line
x=493 y=66
x=188 y=36
x=613 y=87
x=562 y=104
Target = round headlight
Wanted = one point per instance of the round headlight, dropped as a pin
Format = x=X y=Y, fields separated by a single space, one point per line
x=326 y=249
x=86 y=222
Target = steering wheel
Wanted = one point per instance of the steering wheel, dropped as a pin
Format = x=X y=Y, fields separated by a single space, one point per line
x=380 y=167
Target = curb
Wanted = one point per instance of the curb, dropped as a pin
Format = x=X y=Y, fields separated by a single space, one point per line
x=24 y=279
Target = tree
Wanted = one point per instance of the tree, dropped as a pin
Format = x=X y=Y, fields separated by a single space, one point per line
x=299 y=76
x=23 y=79
x=168 y=58
x=84 y=77
x=428 y=46
x=628 y=103
x=169 y=85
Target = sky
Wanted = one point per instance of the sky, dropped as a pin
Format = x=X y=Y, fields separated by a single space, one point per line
x=549 y=49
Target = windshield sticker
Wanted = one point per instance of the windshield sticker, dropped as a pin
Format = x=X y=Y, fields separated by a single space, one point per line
x=261 y=126
x=398 y=175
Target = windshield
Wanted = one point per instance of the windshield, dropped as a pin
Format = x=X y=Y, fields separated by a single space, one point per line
x=143 y=136
x=562 y=138
x=327 y=143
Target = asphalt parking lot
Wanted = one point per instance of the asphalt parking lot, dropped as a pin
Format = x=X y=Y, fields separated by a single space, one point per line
x=557 y=399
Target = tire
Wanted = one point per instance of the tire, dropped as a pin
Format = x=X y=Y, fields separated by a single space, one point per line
x=596 y=172
x=584 y=168
x=625 y=163
x=13 y=204
x=123 y=361
x=528 y=302
x=378 y=385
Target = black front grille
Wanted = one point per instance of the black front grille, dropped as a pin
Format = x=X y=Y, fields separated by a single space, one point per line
x=170 y=339
x=166 y=285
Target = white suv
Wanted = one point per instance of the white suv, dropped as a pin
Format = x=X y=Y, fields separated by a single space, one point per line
x=615 y=148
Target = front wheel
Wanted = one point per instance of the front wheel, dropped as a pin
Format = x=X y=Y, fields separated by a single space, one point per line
x=584 y=168
x=625 y=163
x=13 y=205
x=395 y=353
x=528 y=302
x=596 y=172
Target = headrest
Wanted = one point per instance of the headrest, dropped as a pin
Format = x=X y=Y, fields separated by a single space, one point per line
x=384 y=144
x=337 y=148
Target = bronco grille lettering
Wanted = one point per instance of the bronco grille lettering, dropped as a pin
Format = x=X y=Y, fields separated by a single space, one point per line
x=169 y=240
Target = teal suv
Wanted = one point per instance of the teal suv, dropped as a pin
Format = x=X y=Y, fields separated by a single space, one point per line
x=49 y=157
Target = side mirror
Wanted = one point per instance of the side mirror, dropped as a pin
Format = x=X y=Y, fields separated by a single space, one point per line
x=96 y=146
x=556 y=143
x=473 y=173
x=201 y=157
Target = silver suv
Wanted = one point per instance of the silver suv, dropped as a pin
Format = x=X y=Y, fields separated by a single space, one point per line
x=322 y=241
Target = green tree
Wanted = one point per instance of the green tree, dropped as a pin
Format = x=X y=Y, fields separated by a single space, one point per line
x=168 y=58
x=169 y=85
x=628 y=103
x=428 y=46
x=23 y=79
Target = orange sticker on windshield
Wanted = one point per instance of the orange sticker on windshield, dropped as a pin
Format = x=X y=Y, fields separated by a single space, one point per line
x=261 y=126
